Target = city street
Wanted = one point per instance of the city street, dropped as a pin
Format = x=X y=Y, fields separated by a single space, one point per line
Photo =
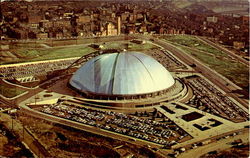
x=218 y=145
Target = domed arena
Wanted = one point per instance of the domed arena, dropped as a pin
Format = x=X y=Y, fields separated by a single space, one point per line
x=125 y=73
x=130 y=78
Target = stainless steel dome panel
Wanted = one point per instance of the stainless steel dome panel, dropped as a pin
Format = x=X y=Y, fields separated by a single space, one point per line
x=126 y=73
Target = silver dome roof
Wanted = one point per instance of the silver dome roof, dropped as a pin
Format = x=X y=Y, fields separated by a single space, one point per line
x=126 y=73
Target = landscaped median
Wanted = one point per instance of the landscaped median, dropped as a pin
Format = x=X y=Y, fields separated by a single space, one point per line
x=10 y=91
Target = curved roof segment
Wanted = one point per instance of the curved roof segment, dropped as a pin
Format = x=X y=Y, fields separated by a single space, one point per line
x=125 y=73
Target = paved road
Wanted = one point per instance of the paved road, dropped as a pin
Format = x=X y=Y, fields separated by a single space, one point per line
x=219 y=145
x=227 y=127
x=37 y=62
x=5 y=102
x=212 y=75
x=45 y=45
x=239 y=58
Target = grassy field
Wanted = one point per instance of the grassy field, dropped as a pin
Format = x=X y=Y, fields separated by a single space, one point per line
x=128 y=45
x=25 y=45
x=10 y=92
x=212 y=57
x=234 y=71
x=27 y=55
x=63 y=42
x=193 y=42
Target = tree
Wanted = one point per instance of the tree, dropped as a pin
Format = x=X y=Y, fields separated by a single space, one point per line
x=155 y=112
x=136 y=113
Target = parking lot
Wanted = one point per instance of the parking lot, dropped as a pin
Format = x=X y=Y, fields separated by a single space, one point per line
x=160 y=132
x=209 y=99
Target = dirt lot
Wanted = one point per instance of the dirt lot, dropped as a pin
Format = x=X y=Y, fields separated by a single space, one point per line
x=10 y=145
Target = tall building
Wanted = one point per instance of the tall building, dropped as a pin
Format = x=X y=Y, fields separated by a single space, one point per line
x=110 y=29
x=119 y=25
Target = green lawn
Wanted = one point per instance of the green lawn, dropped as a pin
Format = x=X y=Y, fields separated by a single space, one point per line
x=193 y=42
x=27 y=55
x=212 y=57
x=141 y=47
x=63 y=42
x=10 y=92
x=234 y=71
x=131 y=46
x=27 y=45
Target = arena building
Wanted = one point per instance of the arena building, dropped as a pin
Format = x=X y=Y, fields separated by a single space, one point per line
x=117 y=78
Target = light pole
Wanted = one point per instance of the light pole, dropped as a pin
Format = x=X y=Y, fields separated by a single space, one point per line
x=22 y=114
x=12 y=123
